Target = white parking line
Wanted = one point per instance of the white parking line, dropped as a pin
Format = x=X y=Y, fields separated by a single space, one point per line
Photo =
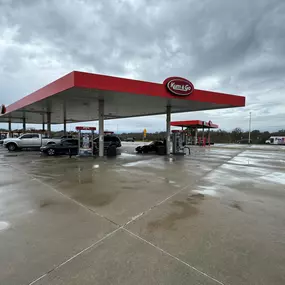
x=154 y=206
x=74 y=256
x=176 y=258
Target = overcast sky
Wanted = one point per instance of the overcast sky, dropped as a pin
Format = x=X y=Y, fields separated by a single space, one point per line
x=223 y=45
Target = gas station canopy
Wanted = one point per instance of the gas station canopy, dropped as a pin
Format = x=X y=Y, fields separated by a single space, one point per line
x=76 y=96
x=194 y=124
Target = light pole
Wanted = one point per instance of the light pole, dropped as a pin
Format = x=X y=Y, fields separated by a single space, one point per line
x=249 y=128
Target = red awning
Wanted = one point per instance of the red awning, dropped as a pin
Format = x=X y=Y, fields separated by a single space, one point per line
x=194 y=124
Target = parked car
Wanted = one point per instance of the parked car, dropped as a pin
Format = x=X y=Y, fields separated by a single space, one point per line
x=67 y=137
x=244 y=141
x=2 y=140
x=28 y=141
x=70 y=147
x=152 y=147
x=3 y=136
x=109 y=140
x=66 y=146
x=130 y=140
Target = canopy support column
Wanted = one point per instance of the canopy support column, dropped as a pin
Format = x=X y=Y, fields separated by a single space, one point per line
x=49 y=124
x=196 y=136
x=209 y=137
x=9 y=128
x=43 y=123
x=101 y=128
x=64 y=118
x=168 y=119
x=24 y=124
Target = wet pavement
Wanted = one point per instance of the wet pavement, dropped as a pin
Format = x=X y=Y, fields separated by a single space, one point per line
x=215 y=217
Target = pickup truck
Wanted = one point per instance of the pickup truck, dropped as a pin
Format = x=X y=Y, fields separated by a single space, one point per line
x=28 y=141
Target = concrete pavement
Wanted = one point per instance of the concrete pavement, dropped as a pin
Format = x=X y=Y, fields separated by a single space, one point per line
x=215 y=217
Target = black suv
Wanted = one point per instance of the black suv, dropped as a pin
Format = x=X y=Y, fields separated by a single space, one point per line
x=109 y=140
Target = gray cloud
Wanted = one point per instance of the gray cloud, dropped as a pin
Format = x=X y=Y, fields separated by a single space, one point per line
x=225 y=45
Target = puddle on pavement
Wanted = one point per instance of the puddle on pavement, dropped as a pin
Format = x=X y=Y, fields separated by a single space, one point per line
x=153 y=163
x=195 y=198
x=96 y=199
x=206 y=190
x=168 y=181
x=128 y=188
x=136 y=163
x=237 y=170
x=187 y=209
x=276 y=177
x=236 y=205
x=8 y=183
x=46 y=203
x=85 y=176
x=4 y=225
x=125 y=154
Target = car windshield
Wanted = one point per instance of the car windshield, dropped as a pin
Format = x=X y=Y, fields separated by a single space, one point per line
x=155 y=143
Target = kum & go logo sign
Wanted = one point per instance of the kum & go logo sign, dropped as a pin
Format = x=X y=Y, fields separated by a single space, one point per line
x=179 y=86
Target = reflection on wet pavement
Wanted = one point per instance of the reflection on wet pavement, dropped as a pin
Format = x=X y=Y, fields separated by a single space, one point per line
x=4 y=225
x=182 y=210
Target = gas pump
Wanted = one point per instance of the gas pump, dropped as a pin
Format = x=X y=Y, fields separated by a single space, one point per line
x=85 y=141
x=176 y=142
x=183 y=138
x=179 y=142
x=190 y=136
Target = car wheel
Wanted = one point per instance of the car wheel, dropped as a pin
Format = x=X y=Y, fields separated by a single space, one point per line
x=12 y=146
x=145 y=151
x=51 y=152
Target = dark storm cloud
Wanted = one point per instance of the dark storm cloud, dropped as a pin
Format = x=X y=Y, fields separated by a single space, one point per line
x=226 y=45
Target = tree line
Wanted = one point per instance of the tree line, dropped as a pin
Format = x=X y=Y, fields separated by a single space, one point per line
x=217 y=136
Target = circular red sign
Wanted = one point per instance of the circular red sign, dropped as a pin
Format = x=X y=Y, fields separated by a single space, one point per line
x=179 y=86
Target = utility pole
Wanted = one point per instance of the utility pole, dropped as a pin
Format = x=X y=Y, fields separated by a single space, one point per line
x=249 y=128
